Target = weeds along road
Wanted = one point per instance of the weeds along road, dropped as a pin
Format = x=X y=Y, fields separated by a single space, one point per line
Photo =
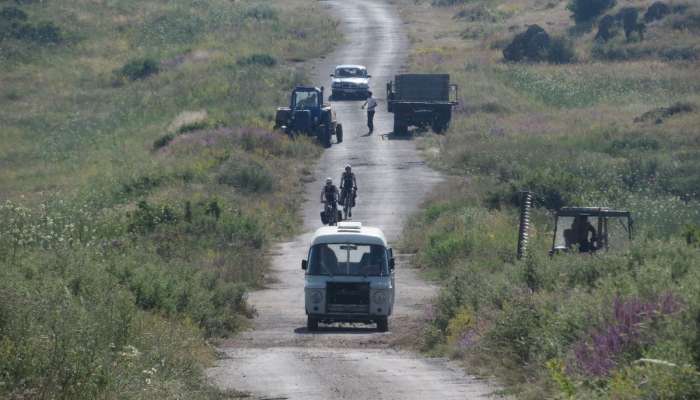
x=279 y=358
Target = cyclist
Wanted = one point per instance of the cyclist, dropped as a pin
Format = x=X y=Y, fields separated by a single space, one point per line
x=348 y=187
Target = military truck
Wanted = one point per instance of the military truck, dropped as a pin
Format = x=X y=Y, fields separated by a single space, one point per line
x=308 y=114
x=349 y=276
x=421 y=100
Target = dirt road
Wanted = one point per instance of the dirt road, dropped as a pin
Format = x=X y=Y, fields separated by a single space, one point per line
x=279 y=359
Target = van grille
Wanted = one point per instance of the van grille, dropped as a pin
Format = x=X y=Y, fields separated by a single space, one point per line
x=347 y=297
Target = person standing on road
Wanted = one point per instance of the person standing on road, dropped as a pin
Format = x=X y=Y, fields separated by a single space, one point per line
x=371 y=104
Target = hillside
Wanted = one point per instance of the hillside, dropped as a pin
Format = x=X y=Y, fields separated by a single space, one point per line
x=141 y=185
x=580 y=120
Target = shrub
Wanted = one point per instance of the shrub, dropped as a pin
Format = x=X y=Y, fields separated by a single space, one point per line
x=194 y=126
x=13 y=13
x=656 y=11
x=515 y=329
x=536 y=45
x=139 y=69
x=689 y=21
x=598 y=355
x=265 y=60
x=147 y=217
x=163 y=141
x=44 y=33
x=252 y=178
x=629 y=16
x=607 y=28
x=691 y=233
x=658 y=115
x=530 y=45
x=586 y=10
x=260 y=12
x=446 y=3
x=682 y=53
x=560 y=51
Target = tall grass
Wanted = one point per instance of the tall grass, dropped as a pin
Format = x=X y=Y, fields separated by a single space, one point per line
x=617 y=325
x=122 y=253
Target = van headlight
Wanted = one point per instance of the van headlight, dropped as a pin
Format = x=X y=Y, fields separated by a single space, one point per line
x=380 y=297
x=316 y=296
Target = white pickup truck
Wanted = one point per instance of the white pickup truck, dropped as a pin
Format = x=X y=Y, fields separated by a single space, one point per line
x=350 y=80
x=349 y=276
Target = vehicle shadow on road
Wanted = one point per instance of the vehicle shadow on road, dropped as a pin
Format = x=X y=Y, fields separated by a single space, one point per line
x=397 y=136
x=350 y=330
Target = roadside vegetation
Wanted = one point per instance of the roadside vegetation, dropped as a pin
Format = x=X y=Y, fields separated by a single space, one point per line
x=140 y=185
x=581 y=118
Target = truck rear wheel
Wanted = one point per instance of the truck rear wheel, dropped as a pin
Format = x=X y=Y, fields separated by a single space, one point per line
x=400 y=127
x=439 y=126
x=311 y=323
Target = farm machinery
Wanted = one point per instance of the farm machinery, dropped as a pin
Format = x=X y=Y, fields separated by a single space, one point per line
x=307 y=114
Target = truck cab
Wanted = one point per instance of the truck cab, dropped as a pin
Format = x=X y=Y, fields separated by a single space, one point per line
x=349 y=276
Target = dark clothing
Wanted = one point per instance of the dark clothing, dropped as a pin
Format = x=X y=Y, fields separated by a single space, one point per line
x=581 y=229
x=370 y=120
x=347 y=181
x=330 y=193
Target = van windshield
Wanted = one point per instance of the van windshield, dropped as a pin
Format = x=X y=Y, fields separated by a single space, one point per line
x=348 y=260
x=350 y=73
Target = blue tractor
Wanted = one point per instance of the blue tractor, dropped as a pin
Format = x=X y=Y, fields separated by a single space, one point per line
x=308 y=115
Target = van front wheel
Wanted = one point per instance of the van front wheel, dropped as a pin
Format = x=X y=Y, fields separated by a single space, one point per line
x=311 y=323
x=383 y=324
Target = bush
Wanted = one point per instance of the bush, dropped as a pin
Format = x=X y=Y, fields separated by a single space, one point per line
x=536 y=45
x=44 y=33
x=265 y=60
x=446 y=3
x=194 y=126
x=561 y=51
x=139 y=69
x=12 y=13
x=689 y=21
x=586 y=10
x=163 y=141
x=251 y=178
x=531 y=45
x=260 y=12
x=656 y=11
x=629 y=16
x=607 y=28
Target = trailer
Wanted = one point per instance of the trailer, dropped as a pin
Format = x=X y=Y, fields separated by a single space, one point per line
x=421 y=100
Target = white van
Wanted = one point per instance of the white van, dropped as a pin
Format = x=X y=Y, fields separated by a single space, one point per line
x=349 y=276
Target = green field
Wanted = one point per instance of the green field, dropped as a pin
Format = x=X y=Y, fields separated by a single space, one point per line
x=141 y=185
x=593 y=132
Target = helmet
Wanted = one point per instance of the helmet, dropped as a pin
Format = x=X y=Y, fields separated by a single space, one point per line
x=348 y=167
x=329 y=181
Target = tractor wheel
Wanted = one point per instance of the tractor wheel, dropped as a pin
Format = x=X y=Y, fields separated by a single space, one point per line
x=325 y=131
x=339 y=133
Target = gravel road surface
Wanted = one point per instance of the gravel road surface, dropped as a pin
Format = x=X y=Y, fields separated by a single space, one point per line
x=279 y=358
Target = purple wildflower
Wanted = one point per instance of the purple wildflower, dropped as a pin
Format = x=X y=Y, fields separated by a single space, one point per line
x=596 y=356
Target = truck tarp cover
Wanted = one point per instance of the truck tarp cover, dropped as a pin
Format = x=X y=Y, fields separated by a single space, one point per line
x=422 y=87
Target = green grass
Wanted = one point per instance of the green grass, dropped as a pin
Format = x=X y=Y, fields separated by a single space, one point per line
x=574 y=135
x=141 y=186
